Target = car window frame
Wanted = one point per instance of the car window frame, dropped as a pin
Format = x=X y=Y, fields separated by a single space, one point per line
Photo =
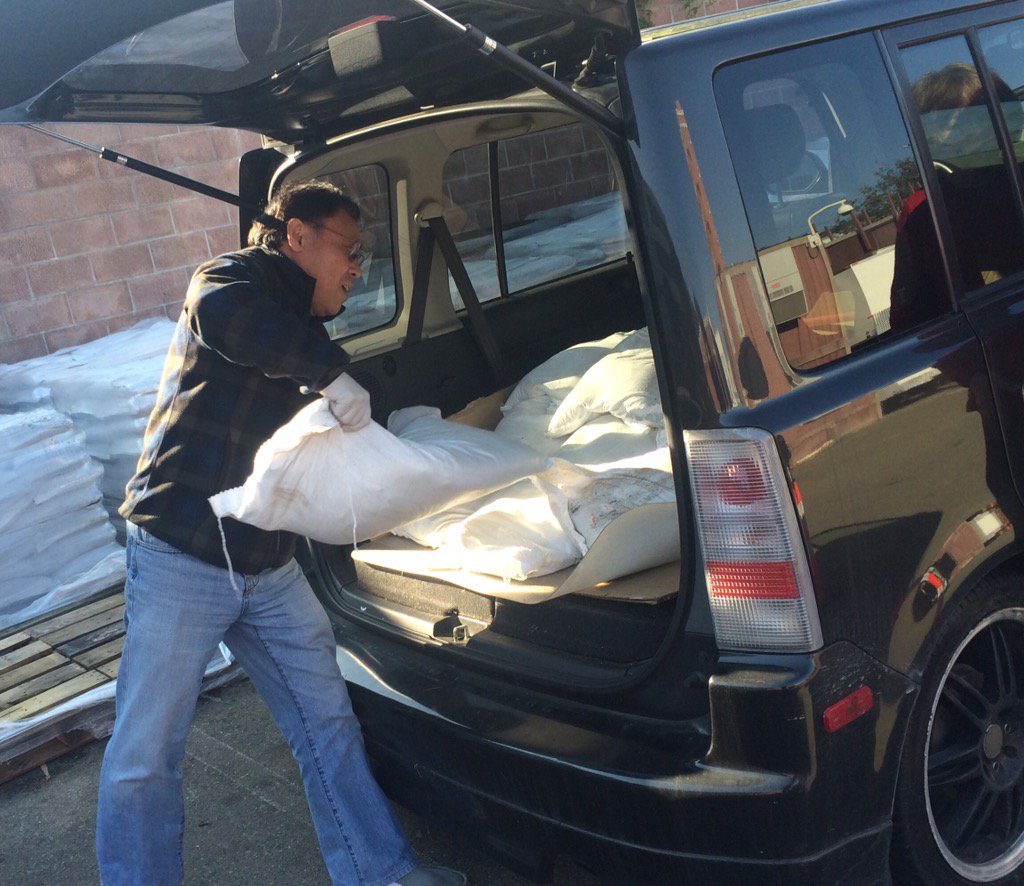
x=392 y=234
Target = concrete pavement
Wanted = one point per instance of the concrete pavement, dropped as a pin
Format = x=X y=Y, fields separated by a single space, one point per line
x=246 y=815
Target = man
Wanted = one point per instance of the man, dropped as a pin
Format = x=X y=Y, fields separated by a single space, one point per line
x=249 y=337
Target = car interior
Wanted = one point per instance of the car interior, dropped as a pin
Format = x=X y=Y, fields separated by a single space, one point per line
x=560 y=272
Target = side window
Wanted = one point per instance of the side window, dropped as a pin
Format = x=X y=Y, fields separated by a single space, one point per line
x=975 y=183
x=826 y=173
x=372 y=301
x=560 y=209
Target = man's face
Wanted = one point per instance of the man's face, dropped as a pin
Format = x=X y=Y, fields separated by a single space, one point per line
x=330 y=253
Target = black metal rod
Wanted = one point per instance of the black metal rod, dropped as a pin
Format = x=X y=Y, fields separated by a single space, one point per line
x=149 y=169
x=531 y=73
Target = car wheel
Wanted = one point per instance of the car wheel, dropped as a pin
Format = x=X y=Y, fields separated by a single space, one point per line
x=959 y=811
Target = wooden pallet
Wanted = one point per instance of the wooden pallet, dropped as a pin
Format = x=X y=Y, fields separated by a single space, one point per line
x=54 y=659
x=48 y=662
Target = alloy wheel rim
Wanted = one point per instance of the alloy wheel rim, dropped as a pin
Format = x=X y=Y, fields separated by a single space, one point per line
x=974 y=764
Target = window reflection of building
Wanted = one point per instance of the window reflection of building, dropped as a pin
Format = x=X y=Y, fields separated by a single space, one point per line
x=742 y=297
x=824 y=165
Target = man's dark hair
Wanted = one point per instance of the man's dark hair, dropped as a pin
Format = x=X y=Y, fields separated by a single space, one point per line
x=311 y=201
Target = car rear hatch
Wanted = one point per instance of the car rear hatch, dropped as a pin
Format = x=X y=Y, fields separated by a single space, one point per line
x=298 y=72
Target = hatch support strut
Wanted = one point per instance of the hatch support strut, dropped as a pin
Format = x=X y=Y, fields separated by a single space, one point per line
x=149 y=169
x=531 y=73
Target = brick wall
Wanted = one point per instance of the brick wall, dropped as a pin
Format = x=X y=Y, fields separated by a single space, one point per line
x=536 y=172
x=88 y=247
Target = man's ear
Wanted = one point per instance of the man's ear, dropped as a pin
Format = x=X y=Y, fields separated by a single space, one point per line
x=296 y=232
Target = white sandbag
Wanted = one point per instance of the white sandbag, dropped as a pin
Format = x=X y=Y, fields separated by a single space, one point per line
x=607 y=439
x=337 y=487
x=638 y=338
x=27 y=385
x=558 y=375
x=435 y=529
x=525 y=531
x=107 y=387
x=623 y=384
x=527 y=423
x=545 y=523
x=612 y=495
x=110 y=403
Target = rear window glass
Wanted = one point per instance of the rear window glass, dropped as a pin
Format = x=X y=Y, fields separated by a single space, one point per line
x=1003 y=47
x=372 y=302
x=828 y=179
x=554 y=198
x=217 y=48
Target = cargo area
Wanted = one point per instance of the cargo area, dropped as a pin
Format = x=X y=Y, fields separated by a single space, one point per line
x=575 y=568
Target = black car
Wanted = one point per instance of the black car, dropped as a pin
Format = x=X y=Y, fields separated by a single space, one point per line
x=817 y=211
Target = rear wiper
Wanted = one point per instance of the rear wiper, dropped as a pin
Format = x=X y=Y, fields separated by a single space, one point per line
x=149 y=169
x=532 y=74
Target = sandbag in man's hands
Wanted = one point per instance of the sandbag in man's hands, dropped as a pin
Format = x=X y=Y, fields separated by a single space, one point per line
x=348 y=401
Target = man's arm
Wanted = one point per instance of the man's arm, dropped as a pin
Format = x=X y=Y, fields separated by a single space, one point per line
x=229 y=312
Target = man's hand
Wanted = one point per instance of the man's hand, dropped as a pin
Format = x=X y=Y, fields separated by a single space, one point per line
x=348 y=401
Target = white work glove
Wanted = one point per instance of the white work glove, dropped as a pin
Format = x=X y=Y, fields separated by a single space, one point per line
x=348 y=401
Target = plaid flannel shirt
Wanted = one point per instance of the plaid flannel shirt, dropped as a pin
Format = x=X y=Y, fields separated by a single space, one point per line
x=244 y=344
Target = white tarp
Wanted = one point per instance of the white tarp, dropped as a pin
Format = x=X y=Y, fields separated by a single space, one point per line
x=56 y=543
x=107 y=387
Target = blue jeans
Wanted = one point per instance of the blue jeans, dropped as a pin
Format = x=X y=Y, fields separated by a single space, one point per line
x=177 y=609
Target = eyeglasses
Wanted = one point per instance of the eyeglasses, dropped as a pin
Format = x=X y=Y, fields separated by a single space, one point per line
x=358 y=254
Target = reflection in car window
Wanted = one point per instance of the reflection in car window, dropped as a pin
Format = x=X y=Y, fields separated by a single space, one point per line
x=372 y=301
x=824 y=164
x=975 y=183
x=219 y=47
x=560 y=210
x=1003 y=47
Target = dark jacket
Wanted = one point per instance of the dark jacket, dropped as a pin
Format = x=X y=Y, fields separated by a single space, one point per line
x=244 y=344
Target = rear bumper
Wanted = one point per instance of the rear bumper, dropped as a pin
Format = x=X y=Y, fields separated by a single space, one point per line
x=771 y=799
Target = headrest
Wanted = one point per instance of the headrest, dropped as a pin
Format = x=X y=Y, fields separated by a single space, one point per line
x=778 y=139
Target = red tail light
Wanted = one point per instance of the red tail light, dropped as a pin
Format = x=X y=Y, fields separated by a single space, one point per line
x=754 y=563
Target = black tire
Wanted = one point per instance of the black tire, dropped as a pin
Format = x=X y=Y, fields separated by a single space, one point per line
x=959 y=810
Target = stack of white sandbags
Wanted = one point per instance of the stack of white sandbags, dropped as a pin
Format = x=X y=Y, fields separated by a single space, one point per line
x=56 y=543
x=595 y=408
x=27 y=385
x=107 y=387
